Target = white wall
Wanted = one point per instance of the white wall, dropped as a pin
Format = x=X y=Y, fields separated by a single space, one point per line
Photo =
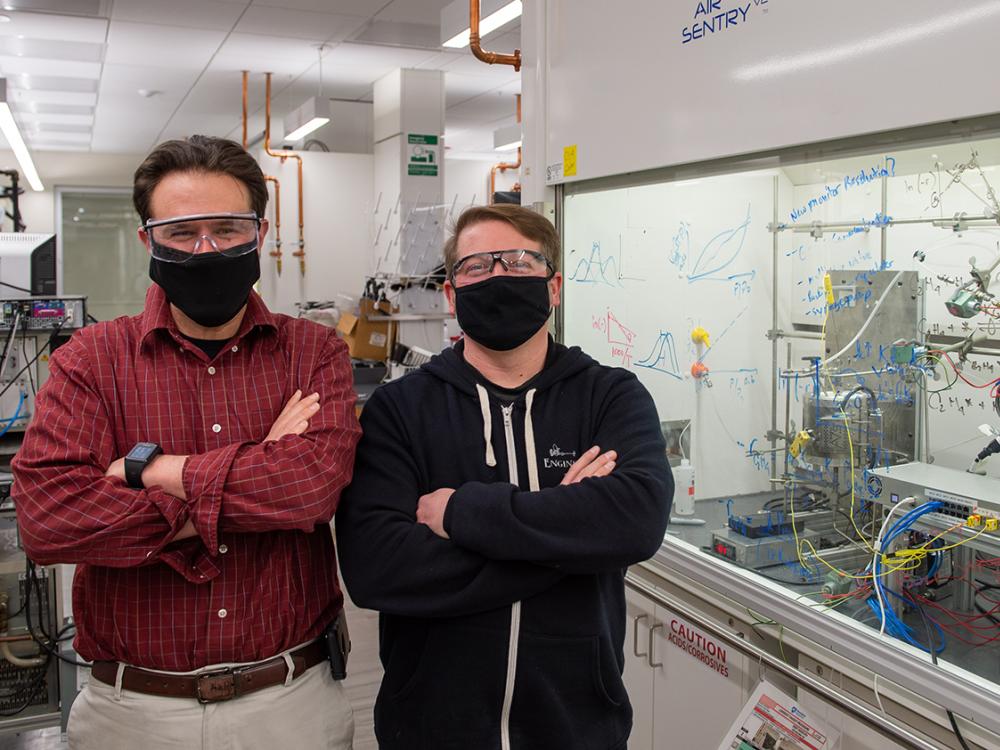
x=337 y=221
x=467 y=181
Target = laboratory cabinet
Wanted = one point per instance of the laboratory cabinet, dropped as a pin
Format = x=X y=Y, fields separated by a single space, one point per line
x=685 y=689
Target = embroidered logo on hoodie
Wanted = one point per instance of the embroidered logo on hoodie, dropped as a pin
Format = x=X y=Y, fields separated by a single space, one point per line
x=558 y=458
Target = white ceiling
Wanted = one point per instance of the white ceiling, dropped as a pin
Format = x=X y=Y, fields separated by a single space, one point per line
x=74 y=68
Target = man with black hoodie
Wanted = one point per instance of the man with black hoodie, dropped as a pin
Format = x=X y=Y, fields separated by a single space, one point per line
x=486 y=525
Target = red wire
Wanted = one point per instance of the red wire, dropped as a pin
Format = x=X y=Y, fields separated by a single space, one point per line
x=992 y=383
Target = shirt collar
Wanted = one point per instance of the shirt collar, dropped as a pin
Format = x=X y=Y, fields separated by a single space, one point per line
x=156 y=316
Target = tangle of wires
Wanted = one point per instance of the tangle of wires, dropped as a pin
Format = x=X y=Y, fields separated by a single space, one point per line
x=937 y=357
x=34 y=605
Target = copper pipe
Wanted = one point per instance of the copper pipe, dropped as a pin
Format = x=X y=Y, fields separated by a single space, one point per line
x=518 y=109
x=503 y=167
x=245 y=74
x=301 y=252
x=491 y=58
x=276 y=253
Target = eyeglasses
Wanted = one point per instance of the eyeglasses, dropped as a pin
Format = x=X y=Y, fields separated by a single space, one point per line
x=518 y=262
x=179 y=239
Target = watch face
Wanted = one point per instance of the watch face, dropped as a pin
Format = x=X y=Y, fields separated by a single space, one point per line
x=142 y=451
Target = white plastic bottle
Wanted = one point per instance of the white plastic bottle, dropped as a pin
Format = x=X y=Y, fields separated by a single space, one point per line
x=684 y=489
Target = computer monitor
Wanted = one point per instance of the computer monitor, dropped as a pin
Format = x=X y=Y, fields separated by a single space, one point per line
x=27 y=264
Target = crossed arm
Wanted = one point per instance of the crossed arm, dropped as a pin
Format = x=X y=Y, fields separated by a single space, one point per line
x=73 y=505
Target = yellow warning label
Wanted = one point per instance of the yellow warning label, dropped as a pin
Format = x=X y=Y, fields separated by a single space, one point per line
x=569 y=161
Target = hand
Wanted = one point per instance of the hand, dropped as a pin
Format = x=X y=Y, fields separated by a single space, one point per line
x=591 y=464
x=116 y=470
x=430 y=510
x=294 y=418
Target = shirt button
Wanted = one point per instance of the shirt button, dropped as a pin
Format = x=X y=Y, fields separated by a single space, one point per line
x=223 y=613
x=223 y=549
x=211 y=371
x=234 y=349
x=216 y=428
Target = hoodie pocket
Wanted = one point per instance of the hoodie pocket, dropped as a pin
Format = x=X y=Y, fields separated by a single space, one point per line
x=567 y=694
x=447 y=698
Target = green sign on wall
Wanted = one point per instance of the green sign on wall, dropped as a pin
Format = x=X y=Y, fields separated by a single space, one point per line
x=423 y=155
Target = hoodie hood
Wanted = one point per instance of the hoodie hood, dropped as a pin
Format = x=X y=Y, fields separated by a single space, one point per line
x=450 y=366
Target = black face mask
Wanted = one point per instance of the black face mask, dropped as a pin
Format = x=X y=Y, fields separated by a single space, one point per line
x=210 y=288
x=503 y=312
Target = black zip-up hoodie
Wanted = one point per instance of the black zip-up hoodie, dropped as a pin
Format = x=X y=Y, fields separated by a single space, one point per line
x=510 y=633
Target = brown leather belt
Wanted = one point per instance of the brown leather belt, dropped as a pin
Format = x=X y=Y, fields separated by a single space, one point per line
x=217 y=685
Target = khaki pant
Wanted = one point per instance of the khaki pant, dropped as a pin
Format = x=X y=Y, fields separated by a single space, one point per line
x=310 y=713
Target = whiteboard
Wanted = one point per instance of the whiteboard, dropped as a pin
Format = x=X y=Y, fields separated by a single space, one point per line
x=637 y=91
x=643 y=268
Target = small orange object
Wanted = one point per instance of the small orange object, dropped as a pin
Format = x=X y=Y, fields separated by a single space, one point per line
x=699 y=370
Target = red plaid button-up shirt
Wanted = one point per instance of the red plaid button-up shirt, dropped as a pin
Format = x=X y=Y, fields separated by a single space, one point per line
x=260 y=577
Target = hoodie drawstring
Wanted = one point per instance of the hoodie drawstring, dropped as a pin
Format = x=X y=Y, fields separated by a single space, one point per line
x=484 y=406
x=529 y=443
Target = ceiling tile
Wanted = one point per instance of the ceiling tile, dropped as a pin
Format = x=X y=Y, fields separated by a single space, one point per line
x=52 y=83
x=37 y=66
x=171 y=46
x=51 y=49
x=125 y=81
x=75 y=98
x=415 y=11
x=257 y=53
x=299 y=24
x=347 y=7
x=37 y=117
x=48 y=26
x=376 y=58
x=79 y=7
x=55 y=109
x=196 y=14
x=64 y=119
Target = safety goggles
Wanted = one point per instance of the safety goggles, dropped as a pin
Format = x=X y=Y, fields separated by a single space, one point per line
x=517 y=262
x=179 y=239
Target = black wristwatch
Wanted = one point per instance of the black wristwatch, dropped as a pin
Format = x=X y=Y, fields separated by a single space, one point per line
x=138 y=459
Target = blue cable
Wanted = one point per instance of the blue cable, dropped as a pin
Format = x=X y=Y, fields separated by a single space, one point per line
x=17 y=415
x=893 y=625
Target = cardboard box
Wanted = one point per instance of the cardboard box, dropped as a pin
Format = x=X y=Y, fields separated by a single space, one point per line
x=367 y=339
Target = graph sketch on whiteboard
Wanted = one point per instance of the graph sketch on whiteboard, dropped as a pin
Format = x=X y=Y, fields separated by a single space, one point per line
x=719 y=253
x=597 y=269
x=663 y=357
x=620 y=337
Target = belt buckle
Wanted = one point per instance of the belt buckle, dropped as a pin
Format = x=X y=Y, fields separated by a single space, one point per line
x=215 y=687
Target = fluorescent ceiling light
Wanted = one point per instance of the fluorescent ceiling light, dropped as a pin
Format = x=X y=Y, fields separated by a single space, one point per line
x=492 y=15
x=9 y=129
x=507 y=139
x=312 y=115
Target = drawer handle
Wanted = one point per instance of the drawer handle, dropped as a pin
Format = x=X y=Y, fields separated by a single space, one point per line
x=635 y=634
x=649 y=656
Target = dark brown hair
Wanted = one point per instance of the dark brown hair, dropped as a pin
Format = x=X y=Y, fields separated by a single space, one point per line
x=198 y=153
x=532 y=225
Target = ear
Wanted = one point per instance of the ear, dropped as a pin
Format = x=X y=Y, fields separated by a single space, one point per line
x=555 y=288
x=265 y=225
x=449 y=294
x=144 y=239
